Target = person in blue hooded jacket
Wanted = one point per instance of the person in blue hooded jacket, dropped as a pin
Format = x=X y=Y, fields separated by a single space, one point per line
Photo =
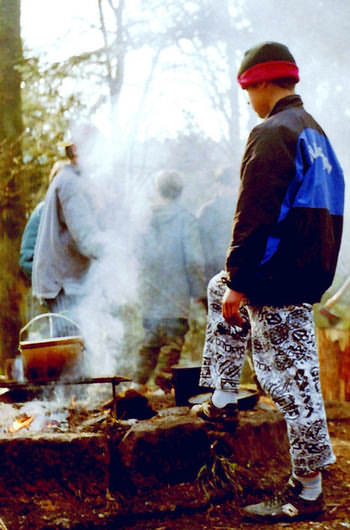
x=171 y=273
x=30 y=233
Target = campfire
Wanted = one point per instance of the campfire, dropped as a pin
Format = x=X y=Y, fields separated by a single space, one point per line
x=23 y=422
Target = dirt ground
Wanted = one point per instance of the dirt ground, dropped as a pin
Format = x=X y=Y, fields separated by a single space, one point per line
x=185 y=506
x=225 y=514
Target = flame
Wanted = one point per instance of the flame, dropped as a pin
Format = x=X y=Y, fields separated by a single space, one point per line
x=73 y=405
x=21 y=423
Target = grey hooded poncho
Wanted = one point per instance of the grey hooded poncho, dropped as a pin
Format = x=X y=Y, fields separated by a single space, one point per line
x=68 y=238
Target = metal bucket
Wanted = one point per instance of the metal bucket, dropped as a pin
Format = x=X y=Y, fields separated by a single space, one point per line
x=188 y=391
x=186 y=382
x=49 y=359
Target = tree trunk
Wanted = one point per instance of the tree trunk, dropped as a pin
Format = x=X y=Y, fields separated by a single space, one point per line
x=11 y=203
x=10 y=78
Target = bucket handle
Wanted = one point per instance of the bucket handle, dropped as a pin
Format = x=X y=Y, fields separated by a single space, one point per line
x=44 y=315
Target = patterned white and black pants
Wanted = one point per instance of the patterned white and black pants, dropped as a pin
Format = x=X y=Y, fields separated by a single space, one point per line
x=286 y=364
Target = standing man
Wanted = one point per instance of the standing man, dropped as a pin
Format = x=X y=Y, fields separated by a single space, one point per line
x=26 y=255
x=215 y=222
x=171 y=274
x=283 y=254
x=68 y=239
x=30 y=233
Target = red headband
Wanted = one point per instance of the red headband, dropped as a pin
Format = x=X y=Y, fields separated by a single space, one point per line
x=267 y=72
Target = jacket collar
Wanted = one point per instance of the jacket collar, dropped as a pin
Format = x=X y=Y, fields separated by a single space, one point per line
x=289 y=101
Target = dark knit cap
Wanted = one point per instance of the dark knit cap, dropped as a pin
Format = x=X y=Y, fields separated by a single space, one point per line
x=265 y=62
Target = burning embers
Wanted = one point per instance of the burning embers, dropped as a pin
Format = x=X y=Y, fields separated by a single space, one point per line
x=44 y=416
x=40 y=416
x=58 y=409
x=23 y=422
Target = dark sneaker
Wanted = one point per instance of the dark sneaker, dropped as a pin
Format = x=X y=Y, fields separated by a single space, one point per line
x=287 y=506
x=208 y=412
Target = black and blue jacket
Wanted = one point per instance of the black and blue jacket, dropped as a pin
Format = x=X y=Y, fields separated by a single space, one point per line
x=289 y=218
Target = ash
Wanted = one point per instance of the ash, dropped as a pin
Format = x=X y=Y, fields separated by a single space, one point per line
x=50 y=409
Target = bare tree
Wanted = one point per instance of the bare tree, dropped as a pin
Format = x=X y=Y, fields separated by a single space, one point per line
x=205 y=36
x=115 y=50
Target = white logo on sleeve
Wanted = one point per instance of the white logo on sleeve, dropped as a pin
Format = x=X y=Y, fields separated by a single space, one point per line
x=317 y=152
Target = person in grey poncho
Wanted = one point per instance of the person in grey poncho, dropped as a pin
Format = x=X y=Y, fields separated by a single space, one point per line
x=68 y=240
x=26 y=254
x=171 y=273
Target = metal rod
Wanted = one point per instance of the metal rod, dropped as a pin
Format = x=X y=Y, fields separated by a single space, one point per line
x=114 y=410
x=115 y=380
x=51 y=326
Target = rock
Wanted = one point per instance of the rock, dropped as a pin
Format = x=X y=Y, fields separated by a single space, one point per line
x=172 y=449
x=75 y=462
x=166 y=450
x=132 y=404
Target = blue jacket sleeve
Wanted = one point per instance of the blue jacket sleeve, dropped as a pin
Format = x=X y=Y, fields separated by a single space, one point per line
x=29 y=236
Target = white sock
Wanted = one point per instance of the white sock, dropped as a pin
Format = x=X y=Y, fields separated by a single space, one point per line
x=312 y=487
x=221 y=398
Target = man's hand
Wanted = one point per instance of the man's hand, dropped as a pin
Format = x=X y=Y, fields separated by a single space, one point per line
x=231 y=302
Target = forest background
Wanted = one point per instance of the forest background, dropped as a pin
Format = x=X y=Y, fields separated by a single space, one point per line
x=158 y=77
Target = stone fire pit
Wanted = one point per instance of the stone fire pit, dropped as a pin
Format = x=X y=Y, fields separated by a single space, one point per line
x=108 y=466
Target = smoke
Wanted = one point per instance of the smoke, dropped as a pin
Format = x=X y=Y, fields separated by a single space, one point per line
x=119 y=210
x=117 y=171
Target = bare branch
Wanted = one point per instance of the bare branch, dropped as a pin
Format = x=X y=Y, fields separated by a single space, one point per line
x=105 y=40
